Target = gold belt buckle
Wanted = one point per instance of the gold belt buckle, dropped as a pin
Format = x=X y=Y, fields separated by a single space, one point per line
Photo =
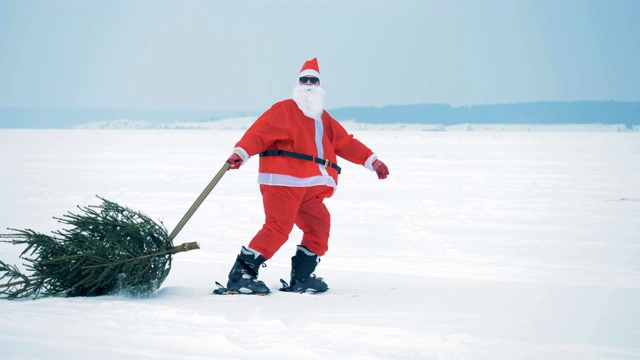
x=326 y=163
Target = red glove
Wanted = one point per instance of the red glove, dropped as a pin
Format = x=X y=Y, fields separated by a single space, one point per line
x=234 y=161
x=381 y=169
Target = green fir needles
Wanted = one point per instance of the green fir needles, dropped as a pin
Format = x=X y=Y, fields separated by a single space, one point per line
x=105 y=250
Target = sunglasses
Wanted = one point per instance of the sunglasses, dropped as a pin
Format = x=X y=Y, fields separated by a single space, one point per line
x=303 y=80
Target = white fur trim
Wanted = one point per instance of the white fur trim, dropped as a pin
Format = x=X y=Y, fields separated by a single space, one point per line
x=309 y=72
x=242 y=153
x=288 y=180
x=369 y=163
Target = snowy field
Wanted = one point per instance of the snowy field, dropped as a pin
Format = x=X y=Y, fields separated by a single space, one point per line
x=480 y=245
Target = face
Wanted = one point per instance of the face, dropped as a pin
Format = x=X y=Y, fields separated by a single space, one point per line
x=309 y=81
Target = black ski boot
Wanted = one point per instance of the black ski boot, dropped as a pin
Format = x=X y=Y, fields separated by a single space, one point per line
x=302 y=278
x=243 y=278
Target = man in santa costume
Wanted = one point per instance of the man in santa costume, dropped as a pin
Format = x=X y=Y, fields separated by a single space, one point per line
x=298 y=143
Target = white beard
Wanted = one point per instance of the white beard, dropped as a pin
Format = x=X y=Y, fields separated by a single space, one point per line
x=310 y=99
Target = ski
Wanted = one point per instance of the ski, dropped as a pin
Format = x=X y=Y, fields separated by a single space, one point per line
x=285 y=286
x=221 y=290
x=288 y=288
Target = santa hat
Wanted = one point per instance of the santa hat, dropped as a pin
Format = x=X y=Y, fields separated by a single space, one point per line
x=310 y=68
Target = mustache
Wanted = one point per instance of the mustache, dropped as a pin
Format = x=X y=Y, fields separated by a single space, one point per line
x=305 y=90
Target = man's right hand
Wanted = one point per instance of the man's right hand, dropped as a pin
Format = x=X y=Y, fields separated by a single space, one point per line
x=234 y=161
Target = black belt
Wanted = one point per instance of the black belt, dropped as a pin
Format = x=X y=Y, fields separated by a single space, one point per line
x=323 y=162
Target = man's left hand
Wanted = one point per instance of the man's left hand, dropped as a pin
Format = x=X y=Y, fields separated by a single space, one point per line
x=381 y=169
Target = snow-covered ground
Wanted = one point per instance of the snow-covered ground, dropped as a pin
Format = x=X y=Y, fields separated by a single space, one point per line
x=480 y=245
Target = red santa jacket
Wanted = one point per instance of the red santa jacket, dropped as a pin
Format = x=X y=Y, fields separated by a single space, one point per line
x=285 y=127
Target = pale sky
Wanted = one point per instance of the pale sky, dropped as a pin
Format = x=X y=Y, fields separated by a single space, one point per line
x=234 y=55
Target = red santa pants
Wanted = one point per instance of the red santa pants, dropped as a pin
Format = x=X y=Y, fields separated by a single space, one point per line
x=285 y=206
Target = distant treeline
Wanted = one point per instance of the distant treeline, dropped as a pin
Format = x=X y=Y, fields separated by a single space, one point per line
x=534 y=113
x=66 y=118
x=578 y=112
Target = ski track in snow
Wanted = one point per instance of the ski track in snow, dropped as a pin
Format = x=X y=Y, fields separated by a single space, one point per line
x=480 y=245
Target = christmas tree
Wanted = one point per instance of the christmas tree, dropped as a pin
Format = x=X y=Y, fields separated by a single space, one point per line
x=104 y=250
